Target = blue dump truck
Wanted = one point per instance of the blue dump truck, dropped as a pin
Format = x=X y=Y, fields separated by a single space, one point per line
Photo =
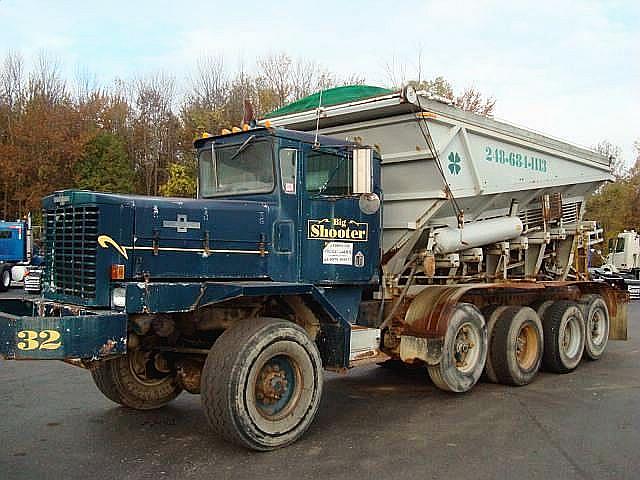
x=413 y=232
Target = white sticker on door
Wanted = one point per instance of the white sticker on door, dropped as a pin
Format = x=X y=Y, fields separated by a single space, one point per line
x=337 y=253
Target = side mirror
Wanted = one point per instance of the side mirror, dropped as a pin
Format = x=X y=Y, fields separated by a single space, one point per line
x=362 y=170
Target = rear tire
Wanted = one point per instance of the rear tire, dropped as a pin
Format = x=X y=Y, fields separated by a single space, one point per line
x=5 y=279
x=541 y=306
x=122 y=381
x=464 y=351
x=491 y=315
x=515 y=346
x=262 y=383
x=596 y=319
x=563 y=333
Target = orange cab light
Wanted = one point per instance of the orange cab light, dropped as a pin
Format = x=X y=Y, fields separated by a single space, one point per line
x=225 y=131
x=117 y=272
x=267 y=124
x=235 y=130
x=245 y=127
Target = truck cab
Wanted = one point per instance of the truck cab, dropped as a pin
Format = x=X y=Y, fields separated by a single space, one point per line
x=308 y=206
x=624 y=251
x=14 y=252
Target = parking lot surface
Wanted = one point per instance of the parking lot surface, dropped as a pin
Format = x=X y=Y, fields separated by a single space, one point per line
x=373 y=423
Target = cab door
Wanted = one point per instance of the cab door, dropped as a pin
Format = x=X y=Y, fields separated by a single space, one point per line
x=339 y=241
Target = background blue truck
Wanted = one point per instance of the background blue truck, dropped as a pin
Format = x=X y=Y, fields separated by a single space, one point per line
x=17 y=259
x=294 y=259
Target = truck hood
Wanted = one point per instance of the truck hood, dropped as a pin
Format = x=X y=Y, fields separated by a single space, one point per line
x=175 y=238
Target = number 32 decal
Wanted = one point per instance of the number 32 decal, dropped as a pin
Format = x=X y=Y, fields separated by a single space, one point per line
x=42 y=340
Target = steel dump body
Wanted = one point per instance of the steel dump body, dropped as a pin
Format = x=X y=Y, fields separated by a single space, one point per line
x=487 y=163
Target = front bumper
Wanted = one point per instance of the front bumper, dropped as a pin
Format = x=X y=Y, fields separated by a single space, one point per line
x=47 y=331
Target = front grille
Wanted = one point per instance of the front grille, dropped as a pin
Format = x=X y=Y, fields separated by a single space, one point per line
x=70 y=244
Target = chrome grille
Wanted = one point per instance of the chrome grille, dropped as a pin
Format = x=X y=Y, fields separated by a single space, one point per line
x=70 y=243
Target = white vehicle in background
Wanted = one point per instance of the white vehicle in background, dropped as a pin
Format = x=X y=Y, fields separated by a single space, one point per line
x=623 y=260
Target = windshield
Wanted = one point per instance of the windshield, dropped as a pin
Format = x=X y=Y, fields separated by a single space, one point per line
x=236 y=170
x=328 y=174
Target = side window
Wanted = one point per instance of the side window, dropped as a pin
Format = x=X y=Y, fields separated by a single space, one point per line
x=328 y=174
x=288 y=168
x=5 y=233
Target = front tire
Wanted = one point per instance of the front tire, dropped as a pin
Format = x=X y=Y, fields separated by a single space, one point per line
x=464 y=351
x=262 y=383
x=563 y=333
x=131 y=381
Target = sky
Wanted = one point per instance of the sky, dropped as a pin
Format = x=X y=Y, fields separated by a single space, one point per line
x=570 y=69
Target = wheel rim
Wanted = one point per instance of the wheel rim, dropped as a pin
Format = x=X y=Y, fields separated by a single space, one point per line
x=143 y=370
x=527 y=347
x=277 y=388
x=466 y=348
x=570 y=338
x=597 y=327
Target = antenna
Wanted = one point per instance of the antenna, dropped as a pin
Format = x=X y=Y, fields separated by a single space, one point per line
x=315 y=142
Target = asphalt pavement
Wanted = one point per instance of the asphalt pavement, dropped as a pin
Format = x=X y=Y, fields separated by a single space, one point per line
x=373 y=423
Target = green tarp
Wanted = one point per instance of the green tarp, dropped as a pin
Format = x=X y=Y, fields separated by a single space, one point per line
x=331 y=96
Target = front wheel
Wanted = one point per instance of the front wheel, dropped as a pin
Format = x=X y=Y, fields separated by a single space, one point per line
x=132 y=381
x=262 y=383
x=464 y=351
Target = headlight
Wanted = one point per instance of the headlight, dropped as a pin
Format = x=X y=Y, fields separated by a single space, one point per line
x=118 y=297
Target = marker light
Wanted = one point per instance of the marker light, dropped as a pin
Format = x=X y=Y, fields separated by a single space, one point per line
x=267 y=124
x=245 y=127
x=235 y=130
x=225 y=131
x=206 y=134
x=117 y=272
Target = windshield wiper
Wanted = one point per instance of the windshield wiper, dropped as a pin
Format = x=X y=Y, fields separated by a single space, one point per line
x=242 y=147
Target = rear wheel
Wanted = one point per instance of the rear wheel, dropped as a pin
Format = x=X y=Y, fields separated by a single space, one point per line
x=540 y=307
x=5 y=279
x=262 y=383
x=133 y=381
x=464 y=351
x=563 y=333
x=491 y=314
x=596 y=319
x=515 y=346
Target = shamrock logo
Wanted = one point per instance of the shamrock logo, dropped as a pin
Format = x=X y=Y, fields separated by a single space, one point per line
x=454 y=163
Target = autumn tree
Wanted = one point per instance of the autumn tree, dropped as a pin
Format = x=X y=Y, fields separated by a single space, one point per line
x=181 y=181
x=104 y=165
x=616 y=206
x=155 y=128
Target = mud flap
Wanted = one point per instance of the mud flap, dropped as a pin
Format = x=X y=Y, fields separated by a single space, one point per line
x=618 y=319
